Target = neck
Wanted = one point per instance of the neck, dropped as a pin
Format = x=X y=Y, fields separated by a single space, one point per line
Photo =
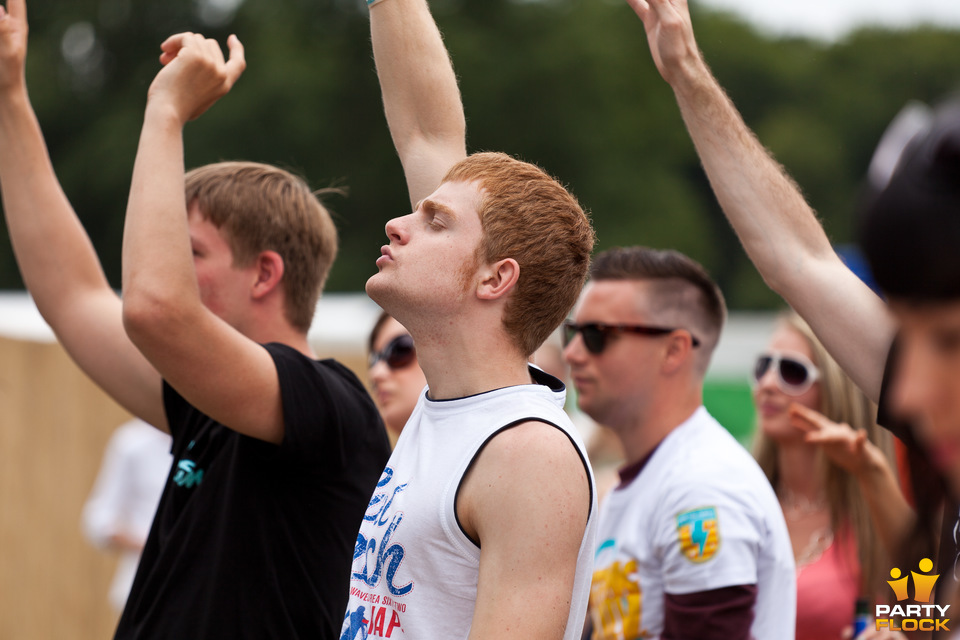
x=799 y=473
x=267 y=330
x=641 y=432
x=463 y=363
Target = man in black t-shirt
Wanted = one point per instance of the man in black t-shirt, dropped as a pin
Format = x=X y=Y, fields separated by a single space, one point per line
x=916 y=263
x=275 y=452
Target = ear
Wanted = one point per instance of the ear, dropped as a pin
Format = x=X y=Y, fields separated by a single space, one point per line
x=268 y=272
x=498 y=279
x=679 y=350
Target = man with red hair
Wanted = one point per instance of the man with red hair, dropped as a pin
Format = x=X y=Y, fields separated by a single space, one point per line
x=482 y=523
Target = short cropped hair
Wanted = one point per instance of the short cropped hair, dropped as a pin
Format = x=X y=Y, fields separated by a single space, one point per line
x=911 y=232
x=682 y=290
x=263 y=208
x=529 y=216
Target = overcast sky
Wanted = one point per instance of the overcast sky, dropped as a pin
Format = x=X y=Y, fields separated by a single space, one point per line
x=830 y=19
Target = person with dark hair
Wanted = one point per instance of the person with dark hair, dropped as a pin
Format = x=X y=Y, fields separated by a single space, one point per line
x=692 y=543
x=483 y=522
x=910 y=235
x=395 y=373
x=275 y=453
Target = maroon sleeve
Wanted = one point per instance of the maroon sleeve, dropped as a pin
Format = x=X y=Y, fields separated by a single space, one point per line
x=725 y=614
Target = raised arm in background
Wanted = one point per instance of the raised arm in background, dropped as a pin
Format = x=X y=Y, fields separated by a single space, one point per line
x=420 y=94
x=776 y=226
x=200 y=330
x=56 y=258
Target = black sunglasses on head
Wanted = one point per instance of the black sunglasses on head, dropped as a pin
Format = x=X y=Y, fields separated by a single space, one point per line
x=398 y=353
x=595 y=334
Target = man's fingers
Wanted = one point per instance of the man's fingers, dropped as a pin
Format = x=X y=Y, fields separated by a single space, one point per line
x=640 y=7
x=17 y=9
x=172 y=46
x=236 y=62
x=174 y=42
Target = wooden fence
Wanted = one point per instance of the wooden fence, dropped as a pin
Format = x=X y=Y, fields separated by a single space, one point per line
x=54 y=424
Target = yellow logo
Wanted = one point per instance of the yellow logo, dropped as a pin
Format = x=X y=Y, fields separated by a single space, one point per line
x=913 y=617
x=699 y=533
x=616 y=602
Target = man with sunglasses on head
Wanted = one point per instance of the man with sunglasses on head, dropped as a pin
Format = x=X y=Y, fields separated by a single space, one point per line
x=910 y=234
x=692 y=543
x=483 y=523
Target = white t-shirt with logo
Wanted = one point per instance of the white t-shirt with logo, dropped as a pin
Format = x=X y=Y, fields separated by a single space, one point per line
x=700 y=516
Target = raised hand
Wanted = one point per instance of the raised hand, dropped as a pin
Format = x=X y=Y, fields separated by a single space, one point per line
x=195 y=74
x=844 y=446
x=13 y=43
x=669 y=34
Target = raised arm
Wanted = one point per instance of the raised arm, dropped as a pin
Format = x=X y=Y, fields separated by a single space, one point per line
x=526 y=501
x=420 y=94
x=200 y=352
x=56 y=258
x=776 y=226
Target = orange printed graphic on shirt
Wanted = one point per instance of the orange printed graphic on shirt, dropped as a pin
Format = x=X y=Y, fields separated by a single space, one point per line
x=615 y=603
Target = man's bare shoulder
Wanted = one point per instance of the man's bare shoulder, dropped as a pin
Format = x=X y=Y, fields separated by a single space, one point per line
x=533 y=469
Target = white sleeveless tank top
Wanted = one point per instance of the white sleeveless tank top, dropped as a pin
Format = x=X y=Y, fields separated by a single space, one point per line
x=415 y=571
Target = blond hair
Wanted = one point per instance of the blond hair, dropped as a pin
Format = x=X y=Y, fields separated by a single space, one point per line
x=841 y=401
x=263 y=208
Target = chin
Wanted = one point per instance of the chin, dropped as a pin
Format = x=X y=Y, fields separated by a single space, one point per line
x=379 y=290
x=595 y=413
x=778 y=429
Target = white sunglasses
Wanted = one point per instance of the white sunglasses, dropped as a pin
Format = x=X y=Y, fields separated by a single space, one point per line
x=795 y=374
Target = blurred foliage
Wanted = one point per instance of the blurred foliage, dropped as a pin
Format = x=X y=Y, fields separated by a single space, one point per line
x=568 y=84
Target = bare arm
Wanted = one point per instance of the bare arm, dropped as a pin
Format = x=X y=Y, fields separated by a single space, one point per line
x=214 y=366
x=56 y=258
x=776 y=226
x=420 y=94
x=526 y=501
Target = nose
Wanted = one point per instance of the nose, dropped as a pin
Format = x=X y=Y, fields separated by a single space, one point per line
x=378 y=373
x=397 y=229
x=768 y=381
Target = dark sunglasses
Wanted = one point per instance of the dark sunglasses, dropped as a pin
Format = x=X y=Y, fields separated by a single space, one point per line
x=398 y=353
x=595 y=334
x=795 y=374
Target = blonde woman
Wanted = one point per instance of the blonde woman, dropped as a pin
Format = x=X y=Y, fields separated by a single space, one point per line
x=828 y=461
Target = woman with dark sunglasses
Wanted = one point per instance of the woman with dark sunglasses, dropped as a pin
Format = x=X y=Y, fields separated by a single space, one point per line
x=394 y=372
x=829 y=464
